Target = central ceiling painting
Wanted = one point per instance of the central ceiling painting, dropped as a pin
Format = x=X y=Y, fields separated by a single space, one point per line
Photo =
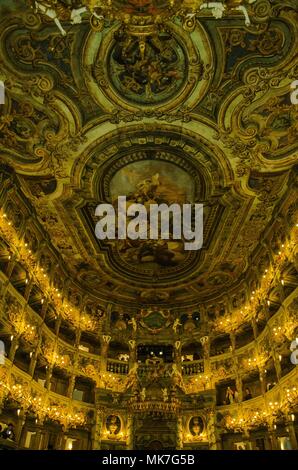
x=152 y=182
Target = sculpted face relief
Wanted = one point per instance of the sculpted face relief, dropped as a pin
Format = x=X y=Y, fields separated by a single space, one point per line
x=162 y=222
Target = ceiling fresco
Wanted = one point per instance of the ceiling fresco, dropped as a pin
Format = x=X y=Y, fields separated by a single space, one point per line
x=198 y=113
x=151 y=178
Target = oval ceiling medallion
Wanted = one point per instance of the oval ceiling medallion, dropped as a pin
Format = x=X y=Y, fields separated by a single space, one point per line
x=147 y=72
x=160 y=68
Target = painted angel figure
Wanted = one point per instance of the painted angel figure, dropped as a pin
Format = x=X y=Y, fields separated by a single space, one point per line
x=76 y=15
x=149 y=185
x=218 y=8
x=52 y=10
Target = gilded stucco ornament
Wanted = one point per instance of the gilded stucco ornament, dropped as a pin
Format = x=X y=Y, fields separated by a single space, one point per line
x=137 y=12
x=148 y=72
x=151 y=75
x=226 y=120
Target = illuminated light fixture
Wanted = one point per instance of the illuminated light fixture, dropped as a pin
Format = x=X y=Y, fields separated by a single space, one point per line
x=90 y=324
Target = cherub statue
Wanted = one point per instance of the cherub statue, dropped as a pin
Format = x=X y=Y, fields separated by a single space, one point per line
x=294 y=349
x=176 y=324
x=165 y=394
x=177 y=377
x=143 y=394
x=56 y=9
x=132 y=378
x=76 y=15
x=134 y=324
x=218 y=8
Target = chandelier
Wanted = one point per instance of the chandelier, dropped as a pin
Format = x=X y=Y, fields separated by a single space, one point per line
x=139 y=16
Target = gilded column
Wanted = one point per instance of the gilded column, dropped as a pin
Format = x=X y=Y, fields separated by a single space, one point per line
x=205 y=342
x=97 y=429
x=19 y=426
x=130 y=436
x=179 y=438
x=273 y=438
x=13 y=348
x=292 y=434
x=104 y=352
x=213 y=435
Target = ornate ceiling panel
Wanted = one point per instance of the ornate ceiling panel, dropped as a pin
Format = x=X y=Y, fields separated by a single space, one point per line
x=195 y=109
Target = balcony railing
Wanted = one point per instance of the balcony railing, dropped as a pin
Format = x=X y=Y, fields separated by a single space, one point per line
x=117 y=367
x=192 y=367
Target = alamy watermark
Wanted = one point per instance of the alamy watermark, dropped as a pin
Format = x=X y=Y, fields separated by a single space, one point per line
x=2 y=92
x=294 y=349
x=294 y=94
x=166 y=222
x=2 y=353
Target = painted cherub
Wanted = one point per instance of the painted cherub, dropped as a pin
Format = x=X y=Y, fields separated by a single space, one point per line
x=55 y=10
x=218 y=8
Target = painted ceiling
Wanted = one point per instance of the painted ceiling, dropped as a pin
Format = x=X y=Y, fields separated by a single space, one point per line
x=205 y=109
